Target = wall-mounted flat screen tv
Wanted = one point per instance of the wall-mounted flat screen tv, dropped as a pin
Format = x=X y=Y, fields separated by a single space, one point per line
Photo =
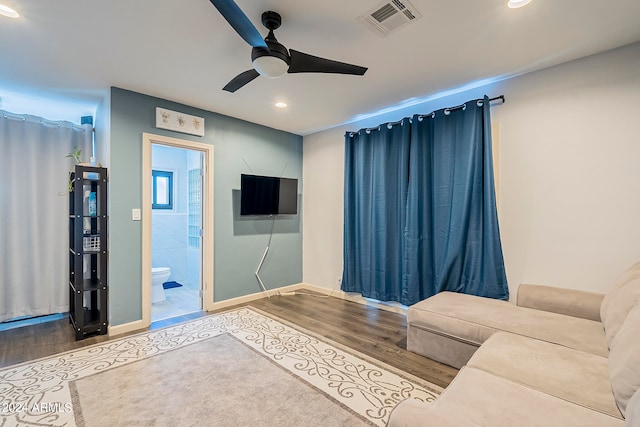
x=268 y=195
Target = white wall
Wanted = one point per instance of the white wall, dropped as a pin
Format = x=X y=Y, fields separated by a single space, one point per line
x=569 y=175
x=102 y=128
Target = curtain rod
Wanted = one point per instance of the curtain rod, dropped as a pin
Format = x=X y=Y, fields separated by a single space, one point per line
x=480 y=101
x=421 y=116
x=446 y=110
x=42 y=121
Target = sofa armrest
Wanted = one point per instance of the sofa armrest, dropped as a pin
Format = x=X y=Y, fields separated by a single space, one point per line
x=571 y=302
x=412 y=413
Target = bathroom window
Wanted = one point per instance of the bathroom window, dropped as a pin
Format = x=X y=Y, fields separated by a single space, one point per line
x=194 y=207
x=162 y=189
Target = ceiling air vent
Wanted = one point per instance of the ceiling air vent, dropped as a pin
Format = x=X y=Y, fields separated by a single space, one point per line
x=389 y=16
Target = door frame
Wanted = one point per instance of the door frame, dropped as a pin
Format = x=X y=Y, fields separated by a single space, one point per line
x=207 y=219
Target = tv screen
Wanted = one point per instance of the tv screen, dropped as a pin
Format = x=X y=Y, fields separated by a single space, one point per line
x=268 y=195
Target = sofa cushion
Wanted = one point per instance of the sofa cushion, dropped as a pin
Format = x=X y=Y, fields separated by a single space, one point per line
x=475 y=319
x=414 y=413
x=633 y=410
x=624 y=360
x=490 y=400
x=569 y=374
x=442 y=348
x=619 y=301
x=572 y=302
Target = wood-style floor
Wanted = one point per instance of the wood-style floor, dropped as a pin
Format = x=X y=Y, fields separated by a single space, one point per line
x=377 y=333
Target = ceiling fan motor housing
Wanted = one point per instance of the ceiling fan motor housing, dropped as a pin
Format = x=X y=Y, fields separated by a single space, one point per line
x=271 y=63
x=274 y=62
x=275 y=49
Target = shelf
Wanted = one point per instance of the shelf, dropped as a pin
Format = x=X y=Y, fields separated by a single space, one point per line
x=90 y=180
x=90 y=321
x=86 y=285
x=88 y=251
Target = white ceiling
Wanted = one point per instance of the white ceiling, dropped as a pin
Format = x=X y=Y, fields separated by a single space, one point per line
x=72 y=51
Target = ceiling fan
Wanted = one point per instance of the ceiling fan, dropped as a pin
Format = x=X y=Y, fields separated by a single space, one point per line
x=269 y=57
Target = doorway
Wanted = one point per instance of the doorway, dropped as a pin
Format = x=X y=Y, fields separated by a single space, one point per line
x=176 y=255
x=177 y=227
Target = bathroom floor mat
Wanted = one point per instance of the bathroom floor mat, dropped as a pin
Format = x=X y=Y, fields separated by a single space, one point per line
x=172 y=284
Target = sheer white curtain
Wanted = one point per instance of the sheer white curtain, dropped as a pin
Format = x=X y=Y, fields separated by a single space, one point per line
x=34 y=215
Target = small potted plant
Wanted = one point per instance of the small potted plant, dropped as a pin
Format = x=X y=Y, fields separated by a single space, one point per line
x=76 y=155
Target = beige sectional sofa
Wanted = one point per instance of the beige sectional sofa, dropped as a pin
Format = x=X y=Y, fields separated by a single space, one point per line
x=557 y=357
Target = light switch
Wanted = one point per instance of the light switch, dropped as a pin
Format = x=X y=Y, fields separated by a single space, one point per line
x=135 y=214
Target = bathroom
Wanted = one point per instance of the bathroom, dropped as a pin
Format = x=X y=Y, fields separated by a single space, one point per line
x=176 y=237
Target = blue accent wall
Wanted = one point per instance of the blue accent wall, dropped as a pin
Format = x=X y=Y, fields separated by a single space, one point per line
x=239 y=241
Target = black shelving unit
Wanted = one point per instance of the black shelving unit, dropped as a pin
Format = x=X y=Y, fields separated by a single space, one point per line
x=88 y=255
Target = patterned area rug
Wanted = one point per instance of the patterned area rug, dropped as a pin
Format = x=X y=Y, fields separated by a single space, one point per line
x=39 y=392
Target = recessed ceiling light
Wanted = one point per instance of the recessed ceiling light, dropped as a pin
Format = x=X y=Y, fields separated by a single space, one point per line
x=281 y=104
x=514 y=4
x=8 y=12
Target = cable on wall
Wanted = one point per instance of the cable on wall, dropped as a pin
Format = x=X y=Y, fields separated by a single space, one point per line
x=266 y=250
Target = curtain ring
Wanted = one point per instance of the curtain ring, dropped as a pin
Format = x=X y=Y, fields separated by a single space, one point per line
x=389 y=126
x=433 y=115
x=420 y=118
x=464 y=106
x=368 y=131
x=479 y=103
x=447 y=111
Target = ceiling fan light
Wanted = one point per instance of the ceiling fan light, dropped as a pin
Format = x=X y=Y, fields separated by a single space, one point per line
x=8 y=12
x=514 y=4
x=270 y=66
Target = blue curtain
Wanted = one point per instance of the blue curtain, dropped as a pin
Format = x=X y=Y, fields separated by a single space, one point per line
x=423 y=219
x=375 y=186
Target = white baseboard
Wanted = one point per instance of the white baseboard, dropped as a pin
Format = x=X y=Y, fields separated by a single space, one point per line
x=300 y=287
x=283 y=291
x=383 y=305
x=255 y=296
x=126 y=327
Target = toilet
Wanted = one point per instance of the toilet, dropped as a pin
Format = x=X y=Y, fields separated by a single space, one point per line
x=159 y=275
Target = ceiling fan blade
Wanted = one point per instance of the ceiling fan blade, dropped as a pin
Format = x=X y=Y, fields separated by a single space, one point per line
x=239 y=21
x=241 y=80
x=305 y=63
